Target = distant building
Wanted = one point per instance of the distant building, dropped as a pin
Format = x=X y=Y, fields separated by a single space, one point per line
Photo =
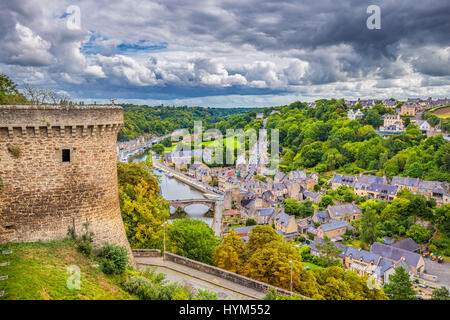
x=412 y=184
x=352 y=114
x=392 y=124
x=264 y=215
x=408 y=110
x=259 y=115
x=347 y=212
x=407 y=244
x=286 y=225
x=339 y=180
x=423 y=125
x=333 y=230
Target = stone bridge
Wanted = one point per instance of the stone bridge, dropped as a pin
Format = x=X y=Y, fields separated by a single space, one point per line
x=210 y=203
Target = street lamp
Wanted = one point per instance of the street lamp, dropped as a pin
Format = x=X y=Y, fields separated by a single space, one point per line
x=164 y=238
x=290 y=262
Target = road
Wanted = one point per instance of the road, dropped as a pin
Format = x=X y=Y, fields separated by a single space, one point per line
x=178 y=273
x=441 y=270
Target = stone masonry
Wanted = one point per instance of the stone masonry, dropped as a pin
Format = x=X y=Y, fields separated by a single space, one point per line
x=40 y=194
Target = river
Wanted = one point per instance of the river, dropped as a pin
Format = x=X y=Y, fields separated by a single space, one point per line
x=173 y=189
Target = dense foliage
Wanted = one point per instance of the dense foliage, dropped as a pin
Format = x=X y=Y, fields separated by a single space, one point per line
x=323 y=139
x=266 y=257
x=143 y=208
x=9 y=94
x=160 y=120
x=193 y=239
x=113 y=258
x=400 y=286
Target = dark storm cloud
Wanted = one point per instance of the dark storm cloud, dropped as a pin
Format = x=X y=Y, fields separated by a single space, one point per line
x=181 y=49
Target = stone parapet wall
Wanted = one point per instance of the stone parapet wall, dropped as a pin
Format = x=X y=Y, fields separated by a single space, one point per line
x=77 y=121
x=139 y=253
x=224 y=274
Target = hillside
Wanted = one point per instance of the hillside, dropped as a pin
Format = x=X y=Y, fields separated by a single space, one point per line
x=38 y=271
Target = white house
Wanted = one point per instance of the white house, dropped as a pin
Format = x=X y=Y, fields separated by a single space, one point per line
x=352 y=115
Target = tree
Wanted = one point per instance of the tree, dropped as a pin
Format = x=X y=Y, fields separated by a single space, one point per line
x=158 y=148
x=373 y=118
x=193 y=239
x=399 y=286
x=369 y=232
x=250 y=222
x=440 y=294
x=415 y=170
x=418 y=233
x=329 y=252
x=306 y=208
x=167 y=142
x=291 y=206
x=260 y=236
x=143 y=208
x=325 y=202
x=9 y=93
x=229 y=255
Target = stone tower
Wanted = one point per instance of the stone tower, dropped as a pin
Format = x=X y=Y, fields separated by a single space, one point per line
x=58 y=169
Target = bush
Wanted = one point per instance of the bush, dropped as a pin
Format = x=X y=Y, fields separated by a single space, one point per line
x=250 y=222
x=84 y=243
x=114 y=259
x=134 y=282
x=300 y=239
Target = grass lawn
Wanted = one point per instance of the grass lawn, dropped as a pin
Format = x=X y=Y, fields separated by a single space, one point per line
x=169 y=149
x=443 y=112
x=311 y=266
x=38 y=271
x=356 y=243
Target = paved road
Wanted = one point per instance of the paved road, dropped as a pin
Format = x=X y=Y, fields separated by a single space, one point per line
x=176 y=272
x=441 y=270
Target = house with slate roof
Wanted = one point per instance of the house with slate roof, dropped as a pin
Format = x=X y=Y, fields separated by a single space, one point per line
x=321 y=216
x=340 y=179
x=286 y=225
x=381 y=191
x=364 y=181
x=423 y=125
x=278 y=177
x=436 y=190
x=334 y=230
x=347 y=212
x=414 y=261
x=279 y=190
x=407 y=244
x=264 y=215
x=412 y=184
x=313 y=196
x=297 y=174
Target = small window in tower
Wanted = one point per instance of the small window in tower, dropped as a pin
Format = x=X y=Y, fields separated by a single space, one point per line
x=66 y=155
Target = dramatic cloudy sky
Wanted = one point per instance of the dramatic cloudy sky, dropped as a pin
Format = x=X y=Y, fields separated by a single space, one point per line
x=227 y=52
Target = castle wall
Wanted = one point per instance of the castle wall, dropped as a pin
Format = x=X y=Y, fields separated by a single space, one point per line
x=41 y=196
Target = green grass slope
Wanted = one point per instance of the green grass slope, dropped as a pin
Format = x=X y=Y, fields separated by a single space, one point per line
x=38 y=271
